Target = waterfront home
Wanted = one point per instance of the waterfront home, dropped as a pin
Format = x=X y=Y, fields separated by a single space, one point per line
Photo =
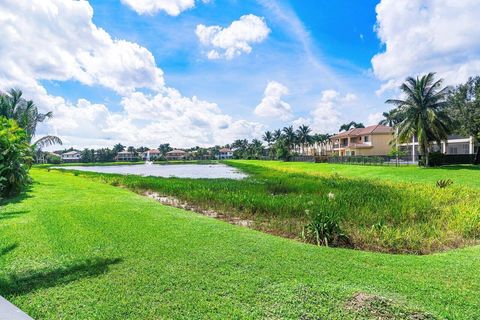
x=176 y=155
x=225 y=153
x=151 y=154
x=71 y=156
x=454 y=145
x=126 y=156
x=370 y=141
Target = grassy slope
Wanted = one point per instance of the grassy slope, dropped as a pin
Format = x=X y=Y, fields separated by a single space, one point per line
x=78 y=249
x=465 y=175
x=376 y=214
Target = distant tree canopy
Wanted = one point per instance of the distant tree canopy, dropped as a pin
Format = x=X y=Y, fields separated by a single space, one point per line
x=464 y=109
x=351 y=125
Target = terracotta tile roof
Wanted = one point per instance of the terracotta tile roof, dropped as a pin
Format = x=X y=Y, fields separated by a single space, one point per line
x=225 y=150
x=375 y=129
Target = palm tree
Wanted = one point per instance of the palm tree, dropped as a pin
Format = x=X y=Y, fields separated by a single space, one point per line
x=353 y=124
x=304 y=137
x=268 y=138
x=277 y=134
x=391 y=118
x=25 y=113
x=423 y=112
x=290 y=136
x=256 y=149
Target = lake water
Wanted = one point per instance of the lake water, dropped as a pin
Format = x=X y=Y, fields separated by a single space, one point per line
x=194 y=171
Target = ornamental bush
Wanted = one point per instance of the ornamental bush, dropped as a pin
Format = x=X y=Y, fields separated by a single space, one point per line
x=15 y=158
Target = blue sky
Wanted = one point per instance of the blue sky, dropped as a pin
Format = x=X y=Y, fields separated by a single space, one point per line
x=226 y=69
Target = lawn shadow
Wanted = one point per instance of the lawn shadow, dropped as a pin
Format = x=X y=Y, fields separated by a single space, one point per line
x=461 y=167
x=16 y=199
x=11 y=215
x=26 y=282
x=8 y=249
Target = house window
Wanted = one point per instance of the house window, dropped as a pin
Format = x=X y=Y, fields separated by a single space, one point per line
x=366 y=139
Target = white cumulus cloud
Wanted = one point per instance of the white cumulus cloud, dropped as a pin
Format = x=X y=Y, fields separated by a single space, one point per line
x=235 y=39
x=170 y=7
x=272 y=105
x=326 y=116
x=423 y=36
x=59 y=42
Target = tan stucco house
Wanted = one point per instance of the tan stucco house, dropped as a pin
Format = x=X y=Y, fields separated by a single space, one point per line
x=370 y=141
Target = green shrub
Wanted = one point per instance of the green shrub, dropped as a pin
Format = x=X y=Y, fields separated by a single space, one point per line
x=15 y=158
x=435 y=159
x=444 y=183
x=324 y=229
x=53 y=159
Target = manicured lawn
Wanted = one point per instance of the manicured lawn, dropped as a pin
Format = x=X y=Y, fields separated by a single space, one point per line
x=74 y=248
x=377 y=213
x=465 y=175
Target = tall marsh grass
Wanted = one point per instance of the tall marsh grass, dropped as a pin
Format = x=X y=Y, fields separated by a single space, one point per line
x=376 y=215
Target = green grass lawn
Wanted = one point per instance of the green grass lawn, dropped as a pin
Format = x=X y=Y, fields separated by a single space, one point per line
x=465 y=175
x=377 y=213
x=75 y=248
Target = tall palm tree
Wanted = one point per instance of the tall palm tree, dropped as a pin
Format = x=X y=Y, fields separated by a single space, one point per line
x=277 y=134
x=391 y=118
x=304 y=137
x=268 y=138
x=290 y=136
x=25 y=113
x=423 y=112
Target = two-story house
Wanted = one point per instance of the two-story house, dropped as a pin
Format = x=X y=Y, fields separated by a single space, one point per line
x=71 y=156
x=370 y=141
x=225 y=153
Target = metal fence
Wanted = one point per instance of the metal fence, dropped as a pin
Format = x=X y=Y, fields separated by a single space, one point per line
x=372 y=160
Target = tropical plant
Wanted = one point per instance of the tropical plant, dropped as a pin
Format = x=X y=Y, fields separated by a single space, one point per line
x=255 y=149
x=277 y=134
x=353 y=124
x=304 y=137
x=464 y=107
x=268 y=138
x=27 y=116
x=118 y=148
x=15 y=157
x=289 y=136
x=164 y=148
x=324 y=229
x=444 y=183
x=423 y=113
x=391 y=118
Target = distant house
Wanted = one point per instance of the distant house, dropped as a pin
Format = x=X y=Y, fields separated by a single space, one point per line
x=71 y=156
x=225 y=153
x=370 y=141
x=152 y=154
x=176 y=155
x=454 y=145
x=126 y=156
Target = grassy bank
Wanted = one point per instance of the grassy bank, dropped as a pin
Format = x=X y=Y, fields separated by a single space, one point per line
x=376 y=214
x=74 y=248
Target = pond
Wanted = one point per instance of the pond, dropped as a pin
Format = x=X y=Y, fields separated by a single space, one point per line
x=194 y=171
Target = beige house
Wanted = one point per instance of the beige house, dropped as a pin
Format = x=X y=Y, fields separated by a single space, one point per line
x=225 y=153
x=126 y=156
x=176 y=155
x=370 y=141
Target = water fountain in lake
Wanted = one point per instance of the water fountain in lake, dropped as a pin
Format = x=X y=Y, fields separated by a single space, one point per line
x=147 y=161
